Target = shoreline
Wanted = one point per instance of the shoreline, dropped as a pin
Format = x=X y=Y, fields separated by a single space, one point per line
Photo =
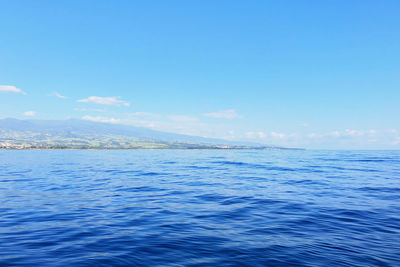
x=142 y=148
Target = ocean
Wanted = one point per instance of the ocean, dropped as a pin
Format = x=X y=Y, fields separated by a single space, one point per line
x=199 y=208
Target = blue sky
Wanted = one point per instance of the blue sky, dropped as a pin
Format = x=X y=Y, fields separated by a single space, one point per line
x=314 y=74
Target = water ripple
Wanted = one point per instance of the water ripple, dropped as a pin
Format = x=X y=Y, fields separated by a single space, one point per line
x=199 y=208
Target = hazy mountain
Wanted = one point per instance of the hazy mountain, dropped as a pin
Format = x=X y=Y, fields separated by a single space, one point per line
x=16 y=133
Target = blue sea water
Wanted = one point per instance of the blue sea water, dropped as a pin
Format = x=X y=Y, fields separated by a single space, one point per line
x=199 y=208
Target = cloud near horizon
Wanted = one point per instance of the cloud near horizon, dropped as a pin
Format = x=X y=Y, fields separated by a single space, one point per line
x=182 y=118
x=108 y=101
x=255 y=135
x=29 y=113
x=144 y=114
x=102 y=119
x=10 y=89
x=342 y=139
x=223 y=114
x=177 y=124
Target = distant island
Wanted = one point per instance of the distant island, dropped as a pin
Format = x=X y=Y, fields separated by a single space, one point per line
x=81 y=134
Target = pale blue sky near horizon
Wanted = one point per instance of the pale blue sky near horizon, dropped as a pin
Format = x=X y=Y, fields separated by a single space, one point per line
x=313 y=74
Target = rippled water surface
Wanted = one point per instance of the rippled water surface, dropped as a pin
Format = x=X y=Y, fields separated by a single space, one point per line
x=199 y=208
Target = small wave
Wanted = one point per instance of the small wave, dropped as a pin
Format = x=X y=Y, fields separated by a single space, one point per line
x=140 y=189
x=151 y=174
x=227 y=162
x=380 y=189
x=260 y=166
x=206 y=208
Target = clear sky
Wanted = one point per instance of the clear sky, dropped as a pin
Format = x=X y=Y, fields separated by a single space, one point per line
x=314 y=74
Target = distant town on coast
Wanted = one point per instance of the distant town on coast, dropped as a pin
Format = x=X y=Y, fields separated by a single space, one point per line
x=80 y=134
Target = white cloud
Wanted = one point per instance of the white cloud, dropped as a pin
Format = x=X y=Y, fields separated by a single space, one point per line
x=58 y=95
x=109 y=101
x=223 y=114
x=277 y=135
x=182 y=118
x=144 y=114
x=392 y=131
x=137 y=123
x=313 y=135
x=394 y=135
x=10 y=89
x=353 y=133
x=335 y=134
x=254 y=135
x=183 y=127
x=230 y=135
x=102 y=119
x=90 y=109
x=343 y=139
x=29 y=113
x=396 y=141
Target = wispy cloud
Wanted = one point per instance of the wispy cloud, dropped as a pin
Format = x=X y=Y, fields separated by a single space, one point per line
x=182 y=118
x=183 y=124
x=108 y=101
x=144 y=114
x=354 y=133
x=230 y=135
x=10 y=89
x=58 y=95
x=278 y=135
x=223 y=114
x=344 y=139
x=102 y=119
x=255 y=135
x=333 y=135
x=396 y=141
x=182 y=127
x=89 y=109
x=137 y=123
x=29 y=113
x=351 y=133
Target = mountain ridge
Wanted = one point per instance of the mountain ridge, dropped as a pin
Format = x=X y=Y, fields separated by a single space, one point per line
x=76 y=133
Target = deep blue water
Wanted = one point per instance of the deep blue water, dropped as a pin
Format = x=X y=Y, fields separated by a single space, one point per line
x=199 y=208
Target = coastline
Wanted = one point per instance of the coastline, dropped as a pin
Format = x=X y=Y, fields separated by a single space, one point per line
x=149 y=148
